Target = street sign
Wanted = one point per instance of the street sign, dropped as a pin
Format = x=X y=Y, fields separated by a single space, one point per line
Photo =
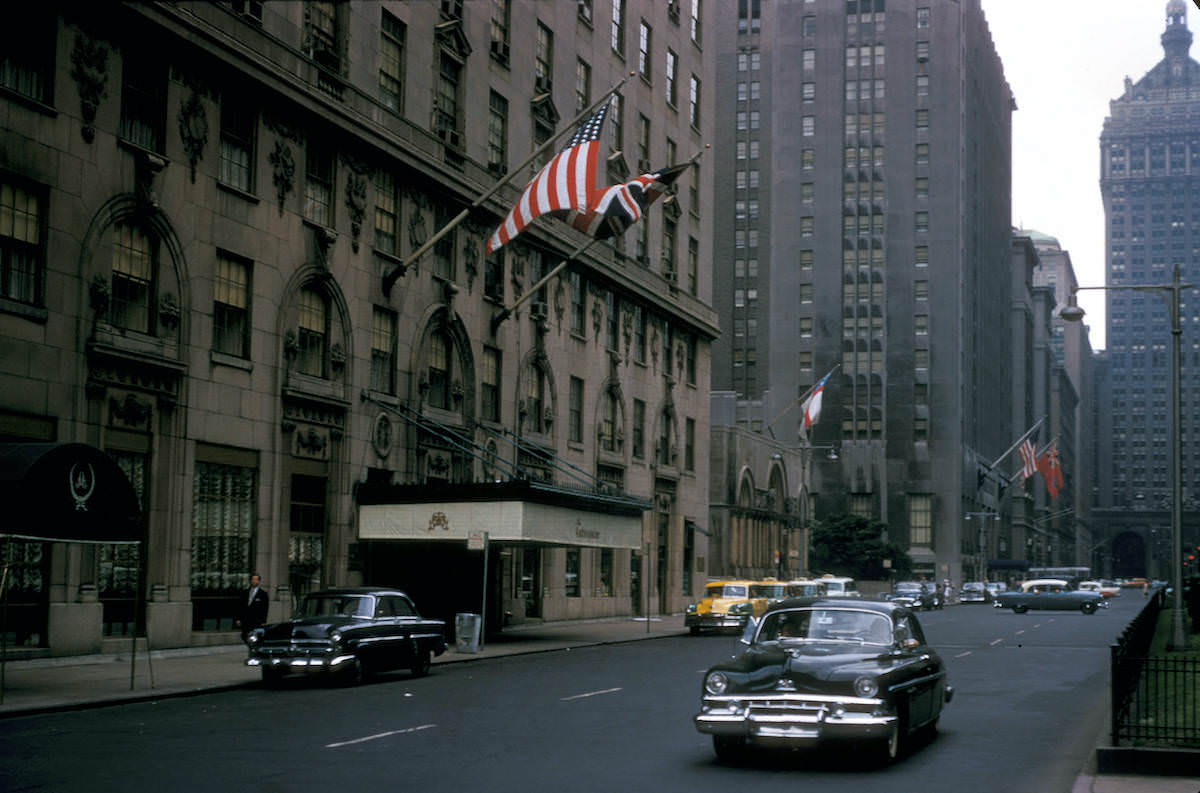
x=476 y=541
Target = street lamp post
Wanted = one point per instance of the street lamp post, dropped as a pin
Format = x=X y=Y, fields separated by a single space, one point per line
x=984 y=517
x=806 y=477
x=1172 y=294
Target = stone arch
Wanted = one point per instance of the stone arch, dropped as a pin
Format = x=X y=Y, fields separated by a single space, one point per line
x=610 y=388
x=777 y=486
x=173 y=280
x=440 y=319
x=667 y=418
x=537 y=360
x=744 y=495
x=340 y=330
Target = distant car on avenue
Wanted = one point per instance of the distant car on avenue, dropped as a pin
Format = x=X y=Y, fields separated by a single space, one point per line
x=996 y=587
x=805 y=587
x=974 y=592
x=1050 y=594
x=349 y=633
x=816 y=670
x=837 y=586
x=916 y=595
x=726 y=604
x=1107 y=590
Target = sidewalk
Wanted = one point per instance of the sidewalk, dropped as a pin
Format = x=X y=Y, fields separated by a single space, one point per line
x=48 y=685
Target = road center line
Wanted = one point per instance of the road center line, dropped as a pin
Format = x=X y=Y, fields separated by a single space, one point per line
x=996 y=642
x=591 y=694
x=380 y=735
x=1020 y=632
x=963 y=655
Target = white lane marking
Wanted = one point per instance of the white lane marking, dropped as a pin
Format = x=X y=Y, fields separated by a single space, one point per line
x=591 y=694
x=1038 y=625
x=1020 y=632
x=996 y=642
x=963 y=655
x=380 y=735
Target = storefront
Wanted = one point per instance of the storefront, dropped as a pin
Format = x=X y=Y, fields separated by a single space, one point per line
x=550 y=552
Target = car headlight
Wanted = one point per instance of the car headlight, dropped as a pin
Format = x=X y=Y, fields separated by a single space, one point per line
x=691 y=609
x=741 y=608
x=716 y=683
x=866 y=687
x=336 y=638
x=254 y=637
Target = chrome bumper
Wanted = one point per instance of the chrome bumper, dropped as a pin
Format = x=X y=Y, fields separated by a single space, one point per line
x=304 y=662
x=714 y=620
x=793 y=719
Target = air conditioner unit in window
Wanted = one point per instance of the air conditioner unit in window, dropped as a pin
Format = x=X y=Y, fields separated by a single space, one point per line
x=542 y=84
x=500 y=50
x=450 y=137
x=671 y=276
x=538 y=310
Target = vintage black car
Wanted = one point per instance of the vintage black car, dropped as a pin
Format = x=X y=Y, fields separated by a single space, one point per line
x=916 y=595
x=350 y=633
x=816 y=670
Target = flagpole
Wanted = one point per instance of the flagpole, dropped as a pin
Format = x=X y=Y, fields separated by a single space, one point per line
x=801 y=398
x=1044 y=449
x=390 y=278
x=506 y=312
x=1014 y=447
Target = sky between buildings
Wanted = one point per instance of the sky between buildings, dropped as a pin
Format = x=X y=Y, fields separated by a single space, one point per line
x=1065 y=60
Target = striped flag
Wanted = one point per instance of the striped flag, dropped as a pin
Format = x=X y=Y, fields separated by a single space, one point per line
x=812 y=405
x=1028 y=452
x=564 y=186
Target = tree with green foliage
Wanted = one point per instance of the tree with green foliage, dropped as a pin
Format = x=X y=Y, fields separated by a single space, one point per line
x=853 y=546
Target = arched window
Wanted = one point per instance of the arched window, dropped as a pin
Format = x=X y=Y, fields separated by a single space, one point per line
x=134 y=267
x=439 y=371
x=664 y=438
x=608 y=423
x=313 y=334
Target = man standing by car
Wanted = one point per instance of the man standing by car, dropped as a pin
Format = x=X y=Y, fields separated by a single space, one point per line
x=254 y=606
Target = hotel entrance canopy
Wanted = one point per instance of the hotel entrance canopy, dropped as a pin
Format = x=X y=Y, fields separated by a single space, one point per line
x=518 y=511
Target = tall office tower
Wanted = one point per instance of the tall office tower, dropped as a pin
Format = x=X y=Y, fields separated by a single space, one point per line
x=1150 y=183
x=863 y=189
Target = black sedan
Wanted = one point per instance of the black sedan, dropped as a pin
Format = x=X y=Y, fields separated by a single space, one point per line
x=351 y=633
x=815 y=670
x=916 y=596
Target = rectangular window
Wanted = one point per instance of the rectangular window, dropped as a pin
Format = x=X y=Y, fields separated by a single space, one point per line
x=694 y=101
x=324 y=36
x=583 y=85
x=921 y=324
x=501 y=16
x=571 y=573
x=689 y=445
x=808 y=92
x=806 y=293
x=639 y=334
x=806 y=260
x=922 y=154
x=383 y=350
x=575 y=412
x=578 y=306
x=693 y=271
x=611 y=319
x=922 y=85
x=22 y=253
x=645 y=58
x=489 y=392
x=694 y=26
x=27 y=52
x=808 y=60
x=922 y=186
x=921 y=222
x=497 y=150
x=318 y=184
x=806 y=226
x=921 y=290
x=543 y=60
x=808 y=126
x=446 y=106
x=132 y=279
x=808 y=159
x=224 y=503
x=443 y=249
x=617 y=31
x=386 y=212
x=314 y=331
x=672 y=71
x=923 y=18
x=639 y=429
x=920 y=519
x=391 y=63
x=231 y=306
x=236 y=159
x=605 y=585
x=143 y=102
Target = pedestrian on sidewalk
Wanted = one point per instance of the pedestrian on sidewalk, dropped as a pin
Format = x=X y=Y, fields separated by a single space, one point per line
x=254 y=607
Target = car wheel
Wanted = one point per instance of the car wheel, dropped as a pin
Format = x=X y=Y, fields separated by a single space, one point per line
x=355 y=673
x=729 y=747
x=694 y=630
x=889 y=747
x=271 y=676
x=1088 y=608
x=421 y=663
x=1020 y=609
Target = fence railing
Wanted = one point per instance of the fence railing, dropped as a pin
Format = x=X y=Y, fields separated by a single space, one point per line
x=1154 y=699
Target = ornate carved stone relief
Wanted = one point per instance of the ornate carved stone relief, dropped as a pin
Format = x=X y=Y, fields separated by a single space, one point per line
x=283 y=171
x=89 y=70
x=193 y=130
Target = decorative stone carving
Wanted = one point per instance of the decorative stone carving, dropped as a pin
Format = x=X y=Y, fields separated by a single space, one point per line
x=283 y=171
x=449 y=291
x=356 y=204
x=654 y=346
x=128 y=412
x=519 y=255
x=324 y=238
x=680 y=352
x=547 y=417
x=417 y=232
x=147 y=167
x=311 y=442
x=381 y=438
x=457 y=392
x=560 y=300
x=597 y=315
x=89 y=70
x=291 y=347
x=168 y=312
x=99 y=295
x=627 y=330
x=470 y=254
x=337 y=356
x=193 y=130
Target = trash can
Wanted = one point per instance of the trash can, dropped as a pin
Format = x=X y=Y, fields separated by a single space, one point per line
x=466 y=632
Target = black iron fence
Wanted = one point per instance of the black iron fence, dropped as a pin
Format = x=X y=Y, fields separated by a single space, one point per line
x=1154 y=699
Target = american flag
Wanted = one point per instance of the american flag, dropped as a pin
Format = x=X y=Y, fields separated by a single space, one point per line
x=1028 y=452
x=563 y=187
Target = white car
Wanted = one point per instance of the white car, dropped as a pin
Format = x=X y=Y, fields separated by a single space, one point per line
x=840 y=587
x=1108 y=591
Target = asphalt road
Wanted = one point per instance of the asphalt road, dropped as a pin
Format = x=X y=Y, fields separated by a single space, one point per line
x=1031 y=701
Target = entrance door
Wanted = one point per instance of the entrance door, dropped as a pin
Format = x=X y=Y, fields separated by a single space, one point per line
x=531 y=580
x=635 y=583
x=664 y=524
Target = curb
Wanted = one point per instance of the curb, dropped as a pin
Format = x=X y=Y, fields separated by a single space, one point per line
x=1129 y=760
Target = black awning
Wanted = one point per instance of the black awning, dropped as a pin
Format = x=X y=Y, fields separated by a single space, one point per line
x=66 y=492
x=1007 y=564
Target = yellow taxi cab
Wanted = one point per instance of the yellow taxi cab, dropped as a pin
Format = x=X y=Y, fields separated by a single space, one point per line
x=726 y=604
x=767 y=592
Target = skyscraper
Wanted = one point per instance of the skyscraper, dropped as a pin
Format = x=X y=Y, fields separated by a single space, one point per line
x=865 y=187
x=1150 y=183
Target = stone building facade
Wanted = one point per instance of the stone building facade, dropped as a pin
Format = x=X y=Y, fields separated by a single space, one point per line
x=205 y=210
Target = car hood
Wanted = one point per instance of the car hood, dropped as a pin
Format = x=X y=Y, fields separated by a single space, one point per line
x=308 y=627
x=811 y=666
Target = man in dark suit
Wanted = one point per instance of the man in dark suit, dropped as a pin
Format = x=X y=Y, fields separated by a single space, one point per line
x=254 y=607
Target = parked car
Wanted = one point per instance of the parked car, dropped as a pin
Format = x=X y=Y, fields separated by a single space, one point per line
x=825 y=669
x=1135 y=583
x=916 y=595
x=1050 y=594
x=974 y=592
x=995 y=588
x=1105 y=590
x=840 y=586
x=351 y=632
x=726 y=604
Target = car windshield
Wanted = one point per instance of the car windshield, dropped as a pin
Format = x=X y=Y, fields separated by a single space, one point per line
x=833 y=586
x=905 y=587
x=727 y=591
x=972 y=587
x=769 y=590
x=337 y=605
x=826 y=625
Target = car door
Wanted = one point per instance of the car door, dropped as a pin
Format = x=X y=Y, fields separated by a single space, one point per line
x=388 y=651
x=923 y=675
